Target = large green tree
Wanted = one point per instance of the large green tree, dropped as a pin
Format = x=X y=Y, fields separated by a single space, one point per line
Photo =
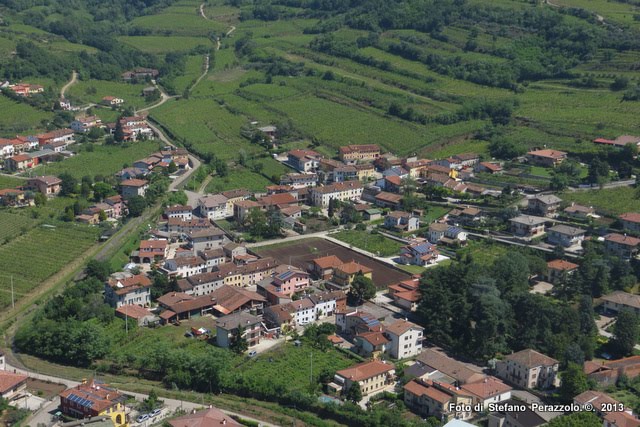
x=362 y=288
x=574 y=382
x=625 y=333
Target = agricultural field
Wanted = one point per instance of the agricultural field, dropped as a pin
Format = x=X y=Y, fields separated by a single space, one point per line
x=610 y=202
x=160 y=44
x=103 y=160
x=48 y=248
x=193 y=70
x=92 y=91
x=374 y=243
x=17 y=118
x=301 y=252
x=183 y=19
x=13 y=225
x=238 y=178
x=10 y=182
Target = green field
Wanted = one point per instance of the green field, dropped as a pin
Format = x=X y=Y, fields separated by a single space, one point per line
x=193 y=70
x=104 y=160
x=13 y=225
x=18 y=117
x=9 y=182
x=158 y=44
x=238 y=178
x=183 y=19
x=36 y=255
x=83 y=92
x=612 y=202
x=375 y=243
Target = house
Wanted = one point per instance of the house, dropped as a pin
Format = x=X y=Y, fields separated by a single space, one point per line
x=421 y=253
x=630 y=221
x=619 y=142
x=470 y=215
x=92 y=399
x=388 y=200
x=289 y=280
x=371 y=214
x=516 y=413
x=213 y=207
x=279 y=316
x=354 y=322
x=626 y=247
x=24 y=143
x=142 y=316
x=238 y=326
x=11 y=384
x=546 y=157
x=200 y=284
x=133 y=187
x=85 y=124
x=430 y=398
x=7 y=148
x=48 y=185
x=11 y=197
x=185 y=266
x=392 y=184
x=372 y=377
x=180 y=306
x=619 y=300
x=118 y=206
x=544 y=205
x=341 y=191
x=140 y=74
x=489 y=390
x=233 y=197
x=528 y=226
x=565 y=235
x=328 y=303
x=304 y=160
x=302 y=311
x=436 y=232
x=406 y=294
x=122 y=289
x=559 y=270
x=135 y=127
x=344 y=274
x=371 y=344
x=26 y=89
x=488 y=167
x=248 y=274
x=529 y=369
x=111 y=101
x=401 y=221
x=206 y=238
x=415 y=167
x=152 y=250
x=19 y=162
x=435 y=365
x=213 y=257
x=185 y=213
x=323 y=268
x=90 y=219
x=205 y=418
x=405 y=339
x=579 y=212
x=65 y=136
x=454 y=236
x=359 y=153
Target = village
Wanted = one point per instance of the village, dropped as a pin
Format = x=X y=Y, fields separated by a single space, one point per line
x=250 y=295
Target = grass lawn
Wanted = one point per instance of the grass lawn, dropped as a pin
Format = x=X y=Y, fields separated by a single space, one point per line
x=485 y=252
x=613 y=201
x=18 y=117
x=289 y=366
x=83 y=92
x=374 y=243
x=104 y=160
x=238 y=178
x=433 y=213
x=413 y=269
x=9 y=182
x=158 y=44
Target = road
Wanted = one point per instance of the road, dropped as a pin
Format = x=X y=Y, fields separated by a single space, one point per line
x=171 y=404
x=74 y=78
x=614 y=184
x=163 y=98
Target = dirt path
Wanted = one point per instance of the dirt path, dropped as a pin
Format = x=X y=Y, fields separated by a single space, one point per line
x=202 y=12
x=74 y=79
x=231 y=31
x=163 y=98
x=204 y=184
x=207 y=60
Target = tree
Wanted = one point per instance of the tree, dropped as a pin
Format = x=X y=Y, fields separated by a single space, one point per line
x=354 y=394
x=98 y=269
x=102 y=190
x=598 y=171
x=102 y=216
x=136 y=205
x=68 y=184
x=574 y=382
x=625 y=333
x=118 y=134
x=95 y=133
x=172 y=167
x=221 y=168
x=362 y=288
x=239 y=344
x=40 y=199
x=177 y=198
x=332 y=207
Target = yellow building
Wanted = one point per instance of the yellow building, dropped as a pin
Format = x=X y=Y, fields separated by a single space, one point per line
x=92 y=399
x=344 y=274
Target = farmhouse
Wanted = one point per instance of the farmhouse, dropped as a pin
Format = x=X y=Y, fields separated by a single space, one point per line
x=388 y=200
x=140 y=74
x=13 y=197
x=111 y=101
x=48 y=185
x=61 y=135
x=142 y=316
x=529 y=369
x=133 y=187
x=19 y=162
x=547 y=158
x=26 y=89
x=559 y=270
x=359 y=153
x=433 y=364
x=85 y=124
x=322 y=268
x=488 y=167
x=122 y=289
x=11 y=384
x=620 y=141
x=152 y=250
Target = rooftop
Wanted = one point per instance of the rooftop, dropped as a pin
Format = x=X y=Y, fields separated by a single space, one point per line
x=363 y=371
x=530 y=358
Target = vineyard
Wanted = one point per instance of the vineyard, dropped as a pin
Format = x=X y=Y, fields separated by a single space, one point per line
x=13 y=225
x=36 y=255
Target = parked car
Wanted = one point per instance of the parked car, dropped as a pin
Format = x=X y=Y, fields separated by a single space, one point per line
x=142 y=418
x=155 y=413
x=252 y=353
x=188 y=334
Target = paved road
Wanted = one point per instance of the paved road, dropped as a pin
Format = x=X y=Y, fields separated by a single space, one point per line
x=74 y=78
x=171 y=404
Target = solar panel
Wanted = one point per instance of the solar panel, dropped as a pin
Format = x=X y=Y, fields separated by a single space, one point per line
x=286 y=275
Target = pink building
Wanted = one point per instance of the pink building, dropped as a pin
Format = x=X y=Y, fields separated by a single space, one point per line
x=289 y=280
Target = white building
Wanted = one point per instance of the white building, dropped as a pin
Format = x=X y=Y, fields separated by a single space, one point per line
x=342 y=191
x=213 y=207
x=405 y=339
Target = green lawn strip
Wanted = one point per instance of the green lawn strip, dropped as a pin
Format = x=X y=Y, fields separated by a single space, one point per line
x=238 y=178
x=611 y=201
x=374 y=243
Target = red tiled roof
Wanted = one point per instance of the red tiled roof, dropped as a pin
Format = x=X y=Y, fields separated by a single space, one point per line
x=133 y=183
x=363 y=371
x=133 y=311
x=374 y=338
x=622 y=239
x=353 y=268
x=401 y=326
x=548 y=153
x=487 y=388
x=560 y=264
x=206 y=418
x=330 y=261
x=631 y=217
x=9 y=381
x=153 y=244
x=425 y=388
x=100 y=395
